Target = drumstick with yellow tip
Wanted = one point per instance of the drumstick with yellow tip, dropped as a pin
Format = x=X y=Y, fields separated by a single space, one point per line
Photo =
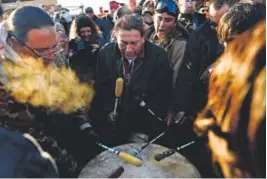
x=123 y=155
x=118 y=92
x=130 y=159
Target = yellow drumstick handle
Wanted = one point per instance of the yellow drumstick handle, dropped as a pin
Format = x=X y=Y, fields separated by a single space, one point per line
x=119 y=87
x=130 y=159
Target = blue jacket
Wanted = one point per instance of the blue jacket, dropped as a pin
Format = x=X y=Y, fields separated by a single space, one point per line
x=22 y=157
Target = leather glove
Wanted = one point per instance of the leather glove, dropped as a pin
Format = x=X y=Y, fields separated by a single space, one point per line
x=112 y=118
x=180 y=119
x=170 y=117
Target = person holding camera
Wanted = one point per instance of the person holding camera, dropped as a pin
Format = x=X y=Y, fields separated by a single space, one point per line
x=84 y=45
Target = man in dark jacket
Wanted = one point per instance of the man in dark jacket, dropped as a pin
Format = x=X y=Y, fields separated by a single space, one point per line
x=202 y=49
x=190 y=92
x=147 y=77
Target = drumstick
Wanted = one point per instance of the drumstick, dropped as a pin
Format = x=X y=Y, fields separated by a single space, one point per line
x=118 y=92
x=123 y=155
x=117 y=173
x=138 y=151
x=168 y=153
x=143 y=104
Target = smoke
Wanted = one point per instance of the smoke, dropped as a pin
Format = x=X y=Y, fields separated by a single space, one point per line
x=31 y=81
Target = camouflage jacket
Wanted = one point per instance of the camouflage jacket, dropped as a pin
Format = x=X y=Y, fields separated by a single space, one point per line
x=24 y=118
x=174 y=46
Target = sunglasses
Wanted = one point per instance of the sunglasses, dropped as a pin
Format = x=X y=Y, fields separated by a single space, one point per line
x=170 y=5
x=45 y=53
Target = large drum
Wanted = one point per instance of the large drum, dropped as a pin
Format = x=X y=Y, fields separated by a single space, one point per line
x=106 y=163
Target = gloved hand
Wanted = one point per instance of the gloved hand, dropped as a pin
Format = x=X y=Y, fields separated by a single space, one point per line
x=180 y=119
x=112 y=117
x=113 y=120
x=170 y=117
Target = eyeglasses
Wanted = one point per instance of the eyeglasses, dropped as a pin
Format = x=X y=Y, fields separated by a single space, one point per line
x=170 y=5
x=42 y=53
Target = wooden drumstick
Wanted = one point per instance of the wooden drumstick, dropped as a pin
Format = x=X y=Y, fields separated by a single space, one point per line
x=168 y=153
x=123 y=155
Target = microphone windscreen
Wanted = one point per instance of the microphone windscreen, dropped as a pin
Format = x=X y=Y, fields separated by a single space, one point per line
x=130 y=159
x=119 y=87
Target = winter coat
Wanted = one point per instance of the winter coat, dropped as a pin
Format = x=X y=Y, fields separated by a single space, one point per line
x=22 y=157
x=56 y=133
x=83 y=61
x=191 y=22
x=151 y=82
x=202 y=49
x=175 y=48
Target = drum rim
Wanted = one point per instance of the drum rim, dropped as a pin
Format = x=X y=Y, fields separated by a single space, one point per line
x=83 y=171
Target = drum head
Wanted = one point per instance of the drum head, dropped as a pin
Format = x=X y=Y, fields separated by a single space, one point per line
x=106 y=163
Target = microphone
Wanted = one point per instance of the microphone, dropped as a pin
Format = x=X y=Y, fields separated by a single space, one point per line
x=168 y=153
x=123 y=155
x=118 y=92
x=143 y=104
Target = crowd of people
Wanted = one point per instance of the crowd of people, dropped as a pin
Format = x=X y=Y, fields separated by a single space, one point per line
x=193 y=68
